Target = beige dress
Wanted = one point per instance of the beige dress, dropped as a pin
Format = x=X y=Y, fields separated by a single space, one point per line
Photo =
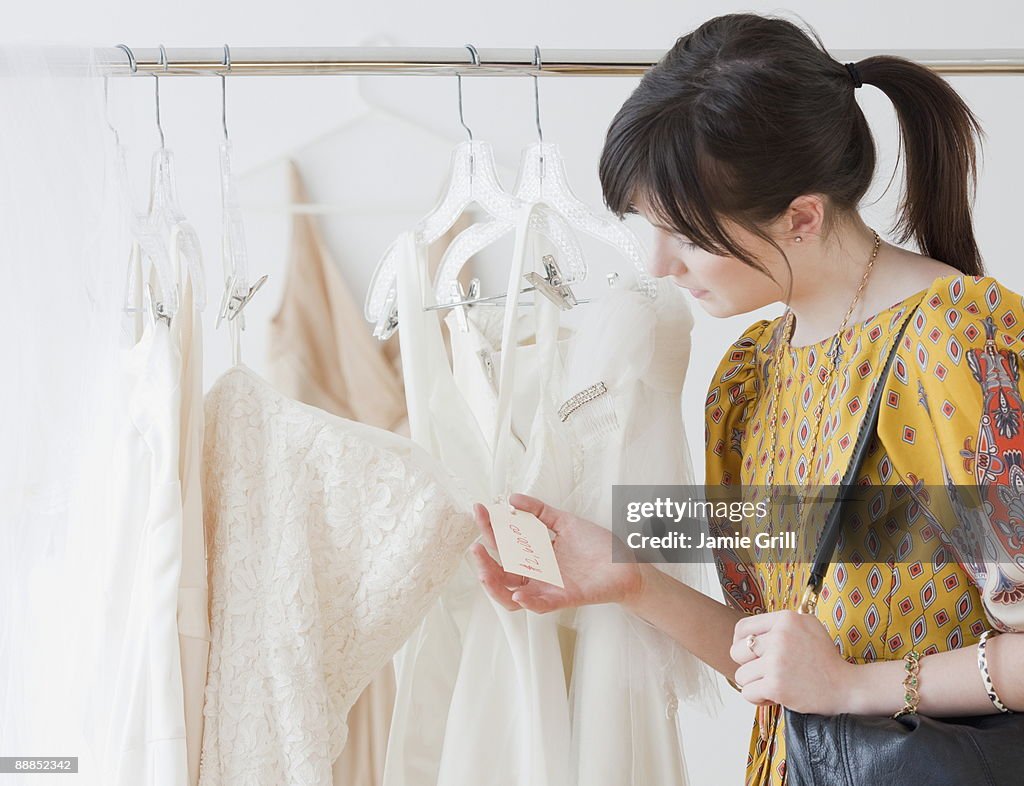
x=321 y=351
x=193 y=594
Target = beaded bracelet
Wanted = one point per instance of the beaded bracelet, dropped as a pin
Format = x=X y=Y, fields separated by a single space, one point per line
x=911 y=693
x=985 y=676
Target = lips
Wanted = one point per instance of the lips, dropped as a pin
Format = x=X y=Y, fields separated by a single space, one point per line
x=697 y=293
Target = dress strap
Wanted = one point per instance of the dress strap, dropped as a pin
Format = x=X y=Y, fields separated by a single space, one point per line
x=546 y=333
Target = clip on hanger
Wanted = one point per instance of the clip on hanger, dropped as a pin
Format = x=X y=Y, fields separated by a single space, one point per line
x=459 y=295
x=157 y=308
x=551 y=285
x=232 y=303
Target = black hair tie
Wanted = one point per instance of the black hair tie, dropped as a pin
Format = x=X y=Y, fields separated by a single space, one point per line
x=854 y=74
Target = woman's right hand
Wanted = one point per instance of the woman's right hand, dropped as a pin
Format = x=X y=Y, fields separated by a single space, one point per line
x=583 y=550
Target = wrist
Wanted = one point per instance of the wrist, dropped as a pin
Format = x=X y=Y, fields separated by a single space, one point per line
x=873 y=688
x=636 y=596
x=856 y=691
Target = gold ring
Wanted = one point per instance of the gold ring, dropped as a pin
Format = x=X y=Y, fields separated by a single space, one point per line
x=750 y=643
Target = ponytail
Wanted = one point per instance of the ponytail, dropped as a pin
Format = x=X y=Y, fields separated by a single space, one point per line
x=747 y=112
x=937 y=131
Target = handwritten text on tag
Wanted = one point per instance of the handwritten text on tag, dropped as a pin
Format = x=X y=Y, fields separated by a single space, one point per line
x=524 y=544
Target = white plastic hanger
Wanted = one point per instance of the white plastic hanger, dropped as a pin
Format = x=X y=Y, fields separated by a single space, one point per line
x=542 y=179
x=472 y=180
x=165 y=215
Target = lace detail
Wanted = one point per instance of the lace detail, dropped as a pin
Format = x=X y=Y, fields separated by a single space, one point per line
x=328 y=540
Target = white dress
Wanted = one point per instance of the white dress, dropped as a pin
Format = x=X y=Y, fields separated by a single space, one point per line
x=492 y=697
x=137 y=681
x=327 y=540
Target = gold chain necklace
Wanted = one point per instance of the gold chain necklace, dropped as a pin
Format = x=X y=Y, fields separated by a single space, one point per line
x=834 y=353
x=764 y=711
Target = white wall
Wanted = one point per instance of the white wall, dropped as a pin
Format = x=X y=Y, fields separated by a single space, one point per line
x=268 y=117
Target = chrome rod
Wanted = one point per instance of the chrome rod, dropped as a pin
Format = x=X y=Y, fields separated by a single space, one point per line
x=448 y=61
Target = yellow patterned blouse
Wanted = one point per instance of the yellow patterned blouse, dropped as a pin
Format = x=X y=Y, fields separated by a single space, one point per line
x=951 y=415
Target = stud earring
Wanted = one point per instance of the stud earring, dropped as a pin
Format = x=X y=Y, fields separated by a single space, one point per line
x=798 y=239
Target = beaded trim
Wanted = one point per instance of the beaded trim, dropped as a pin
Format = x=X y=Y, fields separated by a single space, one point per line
x=985 y=676
x=579 y=399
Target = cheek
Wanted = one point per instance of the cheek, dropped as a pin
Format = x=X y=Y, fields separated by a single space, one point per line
x=735 y=288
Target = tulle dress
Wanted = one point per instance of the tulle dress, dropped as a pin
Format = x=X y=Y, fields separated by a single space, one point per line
x=488 y=696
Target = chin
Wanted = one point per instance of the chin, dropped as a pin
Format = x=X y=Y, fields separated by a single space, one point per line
x=718 y=310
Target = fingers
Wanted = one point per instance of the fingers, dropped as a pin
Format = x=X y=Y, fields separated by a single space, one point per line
x=750 y=635
x=552 y=517
x=510 y=590
x=758 y=623
x=495 y=580
x=482 y=517
x=759 y=691
x=750 y=672
x=747 y=649
x=754 y=677
x=534 y=597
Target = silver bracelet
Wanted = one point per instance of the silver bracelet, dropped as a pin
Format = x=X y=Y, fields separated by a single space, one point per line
x=985 y=676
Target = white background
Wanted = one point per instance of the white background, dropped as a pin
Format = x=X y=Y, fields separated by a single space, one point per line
x=386 y=173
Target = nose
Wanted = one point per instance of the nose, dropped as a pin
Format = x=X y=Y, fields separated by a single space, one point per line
x=662 y=265
x=663 y=261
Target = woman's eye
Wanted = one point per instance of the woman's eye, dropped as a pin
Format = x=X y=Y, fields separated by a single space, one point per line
x=686 y=244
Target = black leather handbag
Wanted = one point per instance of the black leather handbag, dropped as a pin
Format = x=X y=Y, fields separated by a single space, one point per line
x=862 y=750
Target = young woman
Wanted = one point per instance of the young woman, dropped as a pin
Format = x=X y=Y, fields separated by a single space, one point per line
x=745 y=146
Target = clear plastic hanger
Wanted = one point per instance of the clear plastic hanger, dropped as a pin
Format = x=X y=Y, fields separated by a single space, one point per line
x=472 y=179
x=234 y=255
x=237 y=292
x=542 y=178
x=165 y=215
x=146 y=242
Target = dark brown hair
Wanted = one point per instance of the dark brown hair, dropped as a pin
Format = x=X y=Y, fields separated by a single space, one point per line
x=748 y=112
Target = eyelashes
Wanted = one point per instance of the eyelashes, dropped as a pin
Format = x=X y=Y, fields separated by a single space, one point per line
x=686 y=244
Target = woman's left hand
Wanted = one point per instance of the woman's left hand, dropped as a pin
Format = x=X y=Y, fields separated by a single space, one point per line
x=790 y=660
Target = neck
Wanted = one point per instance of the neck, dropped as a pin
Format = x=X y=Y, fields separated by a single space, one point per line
x=826 y=277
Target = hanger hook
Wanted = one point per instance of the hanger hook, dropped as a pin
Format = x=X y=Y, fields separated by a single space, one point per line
x=156 y=79
x=106 y=87
x=131 y=57
x=224 y=92
x=458 y=76
x=536 y=91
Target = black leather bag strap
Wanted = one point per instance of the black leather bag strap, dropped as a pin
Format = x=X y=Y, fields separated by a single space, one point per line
x=833 y=523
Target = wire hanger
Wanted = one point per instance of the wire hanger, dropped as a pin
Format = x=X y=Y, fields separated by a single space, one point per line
x=237 y=292
x=542 y=178
x=472 y=180
x=165 y=216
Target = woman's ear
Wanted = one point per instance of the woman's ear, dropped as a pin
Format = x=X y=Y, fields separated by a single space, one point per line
x=804 y=217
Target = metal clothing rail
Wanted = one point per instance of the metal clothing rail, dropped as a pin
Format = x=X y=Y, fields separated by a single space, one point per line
x=290 y=61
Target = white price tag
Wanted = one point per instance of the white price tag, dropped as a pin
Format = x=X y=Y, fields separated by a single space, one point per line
x=524 y=544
